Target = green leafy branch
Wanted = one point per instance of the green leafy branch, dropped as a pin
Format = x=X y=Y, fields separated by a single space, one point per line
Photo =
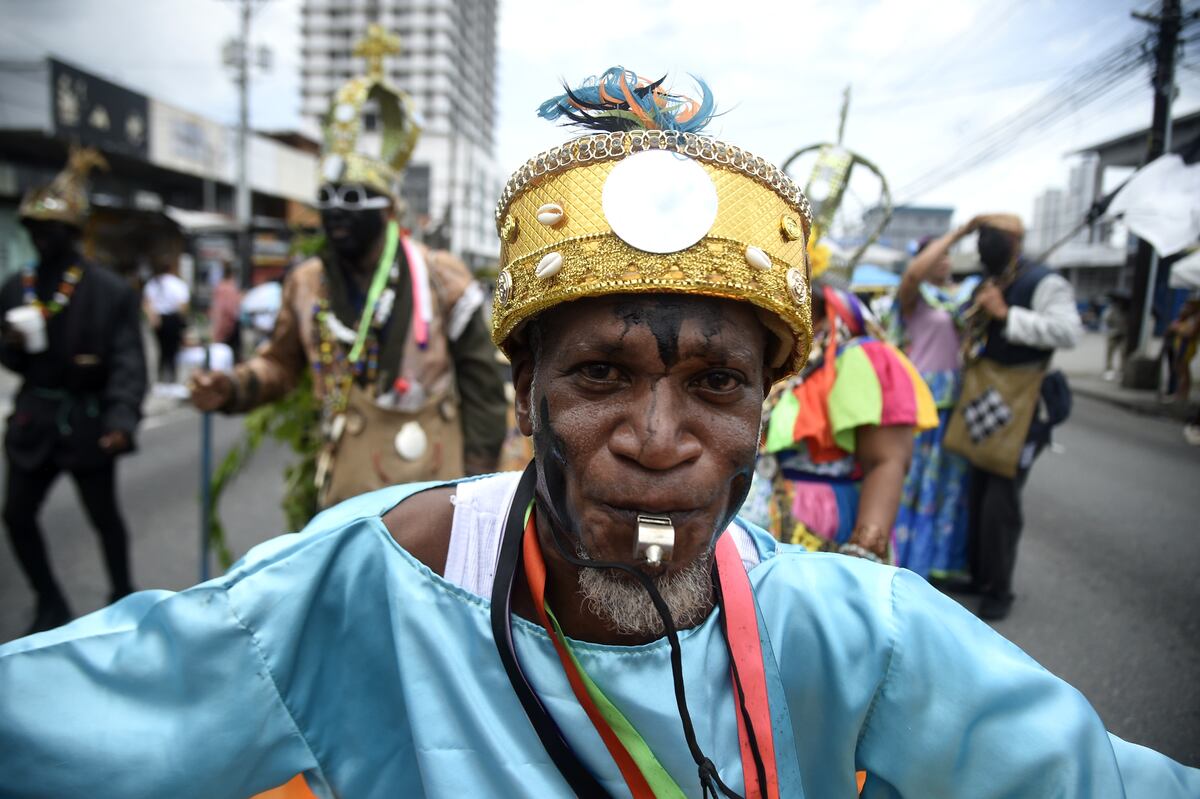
x=293 y=420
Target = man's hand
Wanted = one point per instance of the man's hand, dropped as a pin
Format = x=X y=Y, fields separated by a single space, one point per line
x=991 y=300
x=114 y=442
x=11 y=337
x=211 y=391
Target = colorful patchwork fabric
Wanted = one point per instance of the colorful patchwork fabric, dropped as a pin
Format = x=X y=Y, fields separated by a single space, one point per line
x=873 y=384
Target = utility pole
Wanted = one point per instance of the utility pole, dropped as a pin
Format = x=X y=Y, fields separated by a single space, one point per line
x=237 y=56
x=242 y=199
x=1141 y=370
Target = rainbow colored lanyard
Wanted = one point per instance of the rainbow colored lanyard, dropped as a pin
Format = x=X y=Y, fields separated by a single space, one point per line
x=641 y=770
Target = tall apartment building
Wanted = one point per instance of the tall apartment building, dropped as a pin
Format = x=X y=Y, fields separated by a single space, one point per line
x=1057 y=212
x=448 y=64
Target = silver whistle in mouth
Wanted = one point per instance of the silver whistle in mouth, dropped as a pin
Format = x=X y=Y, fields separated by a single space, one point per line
x=655 y=539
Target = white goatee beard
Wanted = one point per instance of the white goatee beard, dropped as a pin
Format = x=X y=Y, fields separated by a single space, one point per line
x=624 y=605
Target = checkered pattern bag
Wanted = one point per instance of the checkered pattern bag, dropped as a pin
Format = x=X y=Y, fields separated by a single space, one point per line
x=994 y=412
x=986 y=414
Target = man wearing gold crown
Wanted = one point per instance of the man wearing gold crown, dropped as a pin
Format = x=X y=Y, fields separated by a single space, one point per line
x=394 y=334
x=72 y=332
x=602 y=624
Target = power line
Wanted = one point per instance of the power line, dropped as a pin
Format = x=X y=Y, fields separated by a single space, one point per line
x=1081 y=87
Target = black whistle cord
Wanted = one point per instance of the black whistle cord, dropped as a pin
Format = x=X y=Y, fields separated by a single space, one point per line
x=582 y=782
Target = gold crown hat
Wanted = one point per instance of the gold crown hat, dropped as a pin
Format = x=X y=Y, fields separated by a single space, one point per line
x=64 y=199
x=646 y=204
x=348 y=157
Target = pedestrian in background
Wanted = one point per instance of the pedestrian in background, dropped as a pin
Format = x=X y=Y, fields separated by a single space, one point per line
x=225 y=312
x=839 y=437
x=931 y=524
x=1114 y=319
x=72 y=332
x=1022 y=313
x=166 y=298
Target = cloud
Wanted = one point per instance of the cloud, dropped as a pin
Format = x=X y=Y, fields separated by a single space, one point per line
x=927 y=76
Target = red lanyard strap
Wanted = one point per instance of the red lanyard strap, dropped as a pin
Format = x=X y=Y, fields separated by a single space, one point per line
x=740 y=622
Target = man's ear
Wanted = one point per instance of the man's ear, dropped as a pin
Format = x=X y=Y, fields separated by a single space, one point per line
x=522 y=372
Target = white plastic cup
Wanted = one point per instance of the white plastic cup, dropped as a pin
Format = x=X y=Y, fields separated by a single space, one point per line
x=32 y=324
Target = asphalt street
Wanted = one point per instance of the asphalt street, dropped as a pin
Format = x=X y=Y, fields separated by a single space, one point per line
x=1108 y=595
x=1107 y=590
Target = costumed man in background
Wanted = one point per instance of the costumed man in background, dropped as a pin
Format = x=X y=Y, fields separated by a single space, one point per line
x=653 y=286
x=1022 y=313
x=72 y=332
x=394 y=334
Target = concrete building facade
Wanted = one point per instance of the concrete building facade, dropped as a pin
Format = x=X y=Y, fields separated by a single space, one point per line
x=909 y=224
x=448 y=64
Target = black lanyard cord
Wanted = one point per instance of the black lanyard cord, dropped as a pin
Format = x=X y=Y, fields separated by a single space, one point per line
x=583 y=783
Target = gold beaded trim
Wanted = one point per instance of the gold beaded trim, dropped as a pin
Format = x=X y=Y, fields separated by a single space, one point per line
x=609 y=146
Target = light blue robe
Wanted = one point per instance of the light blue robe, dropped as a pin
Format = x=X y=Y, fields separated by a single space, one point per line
x=335 y=653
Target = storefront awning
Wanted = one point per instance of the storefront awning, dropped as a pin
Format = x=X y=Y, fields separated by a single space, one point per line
x=200 y=221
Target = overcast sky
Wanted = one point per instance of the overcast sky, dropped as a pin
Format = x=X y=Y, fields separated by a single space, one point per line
x=928 y=76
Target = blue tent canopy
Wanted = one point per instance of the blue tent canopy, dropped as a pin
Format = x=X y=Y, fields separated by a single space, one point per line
x=871 y=276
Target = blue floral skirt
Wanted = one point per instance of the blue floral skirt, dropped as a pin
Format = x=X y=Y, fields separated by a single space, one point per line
x=930 y=536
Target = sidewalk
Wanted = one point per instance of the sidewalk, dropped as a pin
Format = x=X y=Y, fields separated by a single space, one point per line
x=1084 y=368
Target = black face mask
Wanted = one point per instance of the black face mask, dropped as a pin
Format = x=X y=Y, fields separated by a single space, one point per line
x=54 y=241
x=352 y=234
x=995 y=250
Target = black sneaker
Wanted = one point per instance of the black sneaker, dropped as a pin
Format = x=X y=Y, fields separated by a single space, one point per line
x=994 y=608
x=49 y=614
x=956 y=585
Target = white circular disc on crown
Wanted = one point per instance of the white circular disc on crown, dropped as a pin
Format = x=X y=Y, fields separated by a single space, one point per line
x=659 y=201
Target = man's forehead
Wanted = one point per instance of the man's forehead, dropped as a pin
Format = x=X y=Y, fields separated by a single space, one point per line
x=608 y=322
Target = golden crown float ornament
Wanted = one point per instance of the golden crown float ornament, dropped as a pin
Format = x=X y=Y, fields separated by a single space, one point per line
x=827 y=184
x=646 y=203
x=346 y=156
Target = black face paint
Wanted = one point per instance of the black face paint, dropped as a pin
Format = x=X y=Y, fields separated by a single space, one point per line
x=352 y=234
x=665 y=318
x=739 y=490
x=552 y=464
x=995 y=250
x=53 y=240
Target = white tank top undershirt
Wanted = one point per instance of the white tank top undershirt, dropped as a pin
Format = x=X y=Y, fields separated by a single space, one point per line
x=480 y=510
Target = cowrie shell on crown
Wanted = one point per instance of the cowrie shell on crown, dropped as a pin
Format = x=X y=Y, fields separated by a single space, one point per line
x=549 y=265
x=758 y=258
x=550 y=214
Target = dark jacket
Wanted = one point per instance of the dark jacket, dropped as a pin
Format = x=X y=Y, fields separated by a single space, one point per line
x=91 y=379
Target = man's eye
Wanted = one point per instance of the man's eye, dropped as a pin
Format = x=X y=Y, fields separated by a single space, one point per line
x=719 y=381
x=599 y=372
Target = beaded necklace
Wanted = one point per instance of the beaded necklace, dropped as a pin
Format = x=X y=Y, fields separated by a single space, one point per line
x=62 y=295
x=334 y=367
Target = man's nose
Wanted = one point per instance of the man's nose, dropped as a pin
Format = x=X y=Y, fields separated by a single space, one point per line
x=656 y=434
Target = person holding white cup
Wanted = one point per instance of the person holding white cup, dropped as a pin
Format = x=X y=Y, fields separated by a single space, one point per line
x=70 y=328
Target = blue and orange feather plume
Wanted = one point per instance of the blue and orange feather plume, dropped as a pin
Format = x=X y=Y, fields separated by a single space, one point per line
x=618 y=100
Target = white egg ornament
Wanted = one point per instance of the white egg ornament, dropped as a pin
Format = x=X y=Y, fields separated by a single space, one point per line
x=411 y=442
